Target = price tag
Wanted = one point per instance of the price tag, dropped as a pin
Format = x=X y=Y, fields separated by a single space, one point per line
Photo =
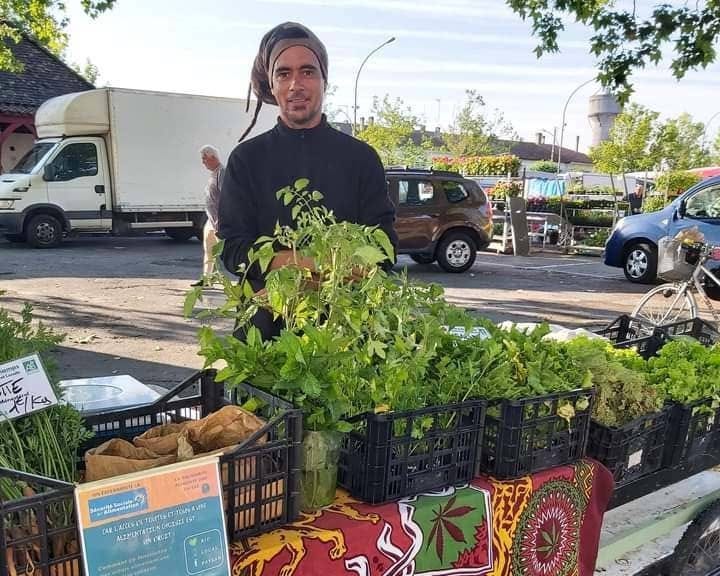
x=24 y=388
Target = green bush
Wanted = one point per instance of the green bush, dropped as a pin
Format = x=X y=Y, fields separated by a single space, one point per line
x=499 y=165
x=676 y=182
x=655 y=203
x=544 y=166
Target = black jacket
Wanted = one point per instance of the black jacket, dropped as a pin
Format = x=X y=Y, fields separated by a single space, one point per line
x=345 y=170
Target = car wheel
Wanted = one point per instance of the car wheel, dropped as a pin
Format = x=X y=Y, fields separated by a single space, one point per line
x=44 y=231
x=422 y=258
x=640 y=263
x=456 y=252
x=180 y=234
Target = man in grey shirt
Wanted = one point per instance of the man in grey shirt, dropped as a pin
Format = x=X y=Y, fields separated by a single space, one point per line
x=211 y=160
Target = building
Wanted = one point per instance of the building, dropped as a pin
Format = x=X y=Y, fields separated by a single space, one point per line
x=44 y=76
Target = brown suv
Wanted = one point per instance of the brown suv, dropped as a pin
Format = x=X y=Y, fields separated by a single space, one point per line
x=440 y=216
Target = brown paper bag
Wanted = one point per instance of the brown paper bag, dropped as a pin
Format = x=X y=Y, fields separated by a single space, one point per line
x=163 y=439
x=116 y=457
x=227 y=427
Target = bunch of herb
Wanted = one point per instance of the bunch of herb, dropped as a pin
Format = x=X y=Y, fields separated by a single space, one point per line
x=44 y=443
x=685 y=371
x=622 y=390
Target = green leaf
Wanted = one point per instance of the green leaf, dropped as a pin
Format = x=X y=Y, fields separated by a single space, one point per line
x=301 y=184
x=369 y=255
x=317 y=196
x=287 y=198
x=382 y=239
x=247 y=289
x=295 y=211
x=344 y=427
x=191 y=299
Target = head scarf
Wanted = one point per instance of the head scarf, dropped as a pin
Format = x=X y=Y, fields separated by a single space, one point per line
x=274 y=43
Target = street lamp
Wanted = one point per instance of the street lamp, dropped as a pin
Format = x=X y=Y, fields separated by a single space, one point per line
x=357 y=76
x=562 y=126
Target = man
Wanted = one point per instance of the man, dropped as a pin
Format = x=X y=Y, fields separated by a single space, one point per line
x=210 y=157
x=636 y=199
x=290 y=70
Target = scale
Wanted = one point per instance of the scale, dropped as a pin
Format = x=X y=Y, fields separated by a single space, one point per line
x=106 y=393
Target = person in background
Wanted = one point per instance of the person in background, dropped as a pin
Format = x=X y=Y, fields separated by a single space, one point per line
x=636 y=199
x=210 y=157
x=291 y=71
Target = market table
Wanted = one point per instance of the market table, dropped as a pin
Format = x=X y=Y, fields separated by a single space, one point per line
x=547 y=524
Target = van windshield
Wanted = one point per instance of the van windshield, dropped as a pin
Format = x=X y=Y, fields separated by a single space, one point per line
x=32 y=157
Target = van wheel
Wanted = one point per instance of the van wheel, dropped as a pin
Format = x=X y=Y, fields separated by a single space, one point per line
x=456 y=252
x=44 y=231
x=180 y=234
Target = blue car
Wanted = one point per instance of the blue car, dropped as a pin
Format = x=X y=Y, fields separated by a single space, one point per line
x=633 y=243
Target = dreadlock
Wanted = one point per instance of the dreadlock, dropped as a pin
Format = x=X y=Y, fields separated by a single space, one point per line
x=276 y=41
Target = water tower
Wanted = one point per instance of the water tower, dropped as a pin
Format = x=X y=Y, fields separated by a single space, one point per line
x=604 y=108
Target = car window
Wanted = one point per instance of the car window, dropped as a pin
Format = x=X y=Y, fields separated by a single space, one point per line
x=415 y=192
x=75 y=161
x=704 y=204
x=454 y=191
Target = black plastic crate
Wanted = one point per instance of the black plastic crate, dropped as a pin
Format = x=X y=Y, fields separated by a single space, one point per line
x=633 y=450
x=699 y=329
x=628 y=332
x=265 y=464
x=38 y=533
x=398 y=454
x=528 y=435
x=695 y=433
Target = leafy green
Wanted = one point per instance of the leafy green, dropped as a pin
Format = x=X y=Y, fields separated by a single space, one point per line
x=623 y=392
x=43 y=443
x=685 y=371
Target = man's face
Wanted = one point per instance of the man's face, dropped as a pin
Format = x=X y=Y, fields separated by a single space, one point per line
x=298 y=87
x=209 y=161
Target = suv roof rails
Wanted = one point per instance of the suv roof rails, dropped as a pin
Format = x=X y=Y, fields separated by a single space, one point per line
x=423 y=171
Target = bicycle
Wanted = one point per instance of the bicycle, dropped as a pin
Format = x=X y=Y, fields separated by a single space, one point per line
x=675 y=300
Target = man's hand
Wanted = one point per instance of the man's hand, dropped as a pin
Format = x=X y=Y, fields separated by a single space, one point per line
x=289 y=258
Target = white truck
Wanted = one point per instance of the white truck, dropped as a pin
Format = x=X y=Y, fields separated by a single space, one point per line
x=116 y=160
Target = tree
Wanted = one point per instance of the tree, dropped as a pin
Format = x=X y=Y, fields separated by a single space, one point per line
x=45 y=20
x=391 y=134
x=640 y=141
x=90 y=72
x=679 y=144
x=625 y=40
x=631 y=145
x=473 y=133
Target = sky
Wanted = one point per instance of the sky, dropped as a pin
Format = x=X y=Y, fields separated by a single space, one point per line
x=442 y=49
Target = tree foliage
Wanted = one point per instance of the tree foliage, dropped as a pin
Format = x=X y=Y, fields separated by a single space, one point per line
x=679 y=144
x=631 y=143
x=627 y=39
x=88 y=71
x=391 y=134
x=45 y=20
x=639 y=140
x=474 y=132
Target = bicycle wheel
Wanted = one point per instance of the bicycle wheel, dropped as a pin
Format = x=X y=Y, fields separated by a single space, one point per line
x=698 y=552
x=664 y=304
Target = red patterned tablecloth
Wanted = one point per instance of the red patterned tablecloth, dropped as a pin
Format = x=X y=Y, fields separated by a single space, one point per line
x=547 y=524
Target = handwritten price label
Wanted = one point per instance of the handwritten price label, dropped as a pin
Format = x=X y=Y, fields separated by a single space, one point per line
x=24 y=388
